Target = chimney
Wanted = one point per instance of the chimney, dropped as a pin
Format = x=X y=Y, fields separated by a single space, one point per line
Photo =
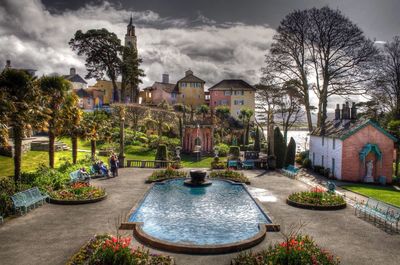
x=165 y=78
x=343 y=116
x=72 y=71
x=188 y=72
x=8 y=64
x=353 y=111
x=337 y=112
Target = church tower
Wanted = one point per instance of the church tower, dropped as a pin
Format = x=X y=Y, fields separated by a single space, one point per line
x=130 y=37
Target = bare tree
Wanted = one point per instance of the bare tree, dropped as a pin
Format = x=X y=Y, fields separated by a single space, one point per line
x=135 y=114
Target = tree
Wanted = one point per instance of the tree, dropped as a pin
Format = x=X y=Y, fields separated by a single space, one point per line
x=119 y=110
x=23 y=108
x=71 y=115
x=394 y=129
x=96 y=127
x=385 y=87
x=131 y=73
x=203 y=110
x=135 y=115
x=160 y=119
x=180 y=109
x=55 y=89
x=223 y=114
x=290 y=152
x=279 y=148
x=245 y=116
x=257 y=141
x=102 y=50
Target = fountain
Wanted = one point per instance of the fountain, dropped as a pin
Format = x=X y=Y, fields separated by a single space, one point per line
x=197 y=179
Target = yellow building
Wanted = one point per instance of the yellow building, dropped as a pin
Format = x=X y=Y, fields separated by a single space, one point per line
x=189 y=90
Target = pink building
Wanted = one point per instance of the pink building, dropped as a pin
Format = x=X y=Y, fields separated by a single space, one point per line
x=200 y=135
x=159 y=92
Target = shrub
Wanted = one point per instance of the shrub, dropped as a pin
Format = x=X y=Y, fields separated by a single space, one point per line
x=78 y=191
x=218 y=164
x=162 y=153
x=168 y=173
x=230 y=175
x=307 y=163
x=223 y=149
x=257 y=140
x=296 y=250
x=327 y=172
x=290 y=152
x=279 y=148
x=234 y=151
x=317 y=196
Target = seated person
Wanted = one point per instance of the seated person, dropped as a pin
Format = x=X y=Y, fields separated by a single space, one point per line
x=103 y=169
x=96 y=167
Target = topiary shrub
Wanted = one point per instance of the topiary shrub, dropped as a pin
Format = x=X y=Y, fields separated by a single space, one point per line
x=279 y=148
x=257 y=140
x=290 y=152
x=234 y=151
x=162 y=152
x=307 y=163
x=218 y=164
x=223 y=149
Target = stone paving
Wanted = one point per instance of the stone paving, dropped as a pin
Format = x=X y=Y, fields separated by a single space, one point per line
x=52 y=233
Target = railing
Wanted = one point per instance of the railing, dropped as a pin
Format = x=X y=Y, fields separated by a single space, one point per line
x=148 y=163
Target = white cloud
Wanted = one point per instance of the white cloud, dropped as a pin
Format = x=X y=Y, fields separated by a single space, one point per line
x=33 y=37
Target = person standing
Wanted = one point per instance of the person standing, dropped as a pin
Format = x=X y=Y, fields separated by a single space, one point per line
x=114 y=165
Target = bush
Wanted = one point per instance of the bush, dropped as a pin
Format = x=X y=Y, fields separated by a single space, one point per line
x=279 y=148
x=307 y=163
x=257 y=140
x=218 y=164
x=234 y=151
x=327 y=172
x=78 y=191
x=296 y=250
x=317 y=196
x=162 y=153
x=223 y=149
x=230 y=175
x=168 y=173
x=290 y=152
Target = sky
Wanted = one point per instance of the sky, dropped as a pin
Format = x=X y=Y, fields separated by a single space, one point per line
x=216 y=39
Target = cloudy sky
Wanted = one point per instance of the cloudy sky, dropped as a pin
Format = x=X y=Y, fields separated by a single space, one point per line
x=217 y=39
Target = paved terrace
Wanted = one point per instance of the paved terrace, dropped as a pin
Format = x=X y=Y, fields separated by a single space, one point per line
x=52 y=233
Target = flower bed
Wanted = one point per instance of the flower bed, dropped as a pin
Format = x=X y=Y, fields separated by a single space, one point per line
x=317 y=199
x=297 y=250
x=106 y=249
x=230 y=175
x=79 y=192
x=168 y=173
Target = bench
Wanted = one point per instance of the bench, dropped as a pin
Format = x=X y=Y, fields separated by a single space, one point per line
x=290 y=171
x=79 y=176
x=380 y=212
x=233 y=163
x=23 y=200
x=248 y=164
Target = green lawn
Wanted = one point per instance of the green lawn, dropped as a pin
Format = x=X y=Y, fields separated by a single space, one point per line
x=385 y=194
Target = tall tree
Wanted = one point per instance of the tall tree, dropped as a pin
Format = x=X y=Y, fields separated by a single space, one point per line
x=55 y=89
x=97 y=127
x=203 y=110
x=72 y=117
x=102 y=50
x=279 y=148
x=290 y=152
x=245 y=116
x=131 y=73
x=134 y=115
x=120 y=112
x=23 y=108
x=385 y=88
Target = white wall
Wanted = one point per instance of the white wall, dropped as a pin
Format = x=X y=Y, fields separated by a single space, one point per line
x=328 y=152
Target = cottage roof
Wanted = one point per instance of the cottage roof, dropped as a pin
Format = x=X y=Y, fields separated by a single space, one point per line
x=345 y=128
x=75 y=78
x=232 y=84
x=191 y=78
x=82 y=93
x=167 y=87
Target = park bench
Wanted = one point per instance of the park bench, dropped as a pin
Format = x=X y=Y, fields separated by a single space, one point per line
x=380 y=212
x=248 y=164
x=79 y=176
x=290 y=171
x=233 y=164
x=23 y=200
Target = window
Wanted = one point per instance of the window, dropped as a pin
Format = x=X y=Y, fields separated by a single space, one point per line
x=227 y=93
x=333 y=167
x=323 y=140
x=322 y=161
x=223 y=102
x=173 y=95
x=238 y=92
x=183 y=84
x=333 y=143
x=238 y=102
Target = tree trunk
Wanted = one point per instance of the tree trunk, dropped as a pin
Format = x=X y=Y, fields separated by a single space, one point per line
x=180 y=130
x=115 y=91
x=93 y=149
x=308 y=112
x=123 y=91
x=74 y=141
x=121 y=156
x=52 y=138
x=17 y=131
x=247 y=132
x=324 y=110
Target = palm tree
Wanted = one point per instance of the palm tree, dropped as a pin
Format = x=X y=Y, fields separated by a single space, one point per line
x=96 y=127
x=23 y=97
x=223 y=113
x=55 y=89
x=245 y=116
x=72 y=117
x=203 y=110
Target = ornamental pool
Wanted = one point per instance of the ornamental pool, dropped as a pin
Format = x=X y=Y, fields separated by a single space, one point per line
x=223 y=213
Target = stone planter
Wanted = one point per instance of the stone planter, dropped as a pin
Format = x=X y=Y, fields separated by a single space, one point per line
x=75 y=202
x=316 y=207
x=197 y=178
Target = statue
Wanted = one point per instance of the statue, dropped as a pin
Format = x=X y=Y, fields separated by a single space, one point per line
x=369 y=177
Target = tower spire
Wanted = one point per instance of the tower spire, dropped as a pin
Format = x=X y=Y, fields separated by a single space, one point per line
x=130 y=21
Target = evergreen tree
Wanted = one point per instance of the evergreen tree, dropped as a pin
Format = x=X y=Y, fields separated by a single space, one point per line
x=131 y=73
x=290 y=152
x=257 y=141
x=279 y=148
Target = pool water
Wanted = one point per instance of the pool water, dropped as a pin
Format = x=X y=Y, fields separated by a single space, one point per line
x=218 y=214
